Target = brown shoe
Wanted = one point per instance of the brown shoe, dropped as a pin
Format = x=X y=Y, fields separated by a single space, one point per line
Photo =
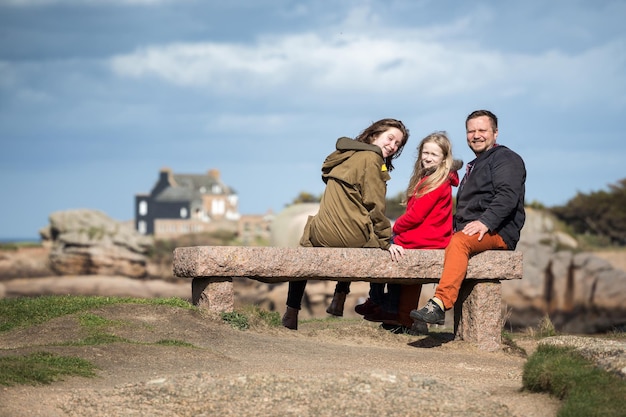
x=381 y=316
x=368 y=307
x=336 y=306
x=290 y=318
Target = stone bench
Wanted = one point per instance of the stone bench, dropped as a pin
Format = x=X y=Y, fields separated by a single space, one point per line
x=478 y=317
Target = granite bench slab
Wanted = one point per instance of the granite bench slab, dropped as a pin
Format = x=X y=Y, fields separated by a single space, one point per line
x=477 y=313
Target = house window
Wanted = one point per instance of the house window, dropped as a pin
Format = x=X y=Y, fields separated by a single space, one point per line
x=216 y=189
x=218 y=207
x=141 y=227
x=143 y=207
x=183 y=212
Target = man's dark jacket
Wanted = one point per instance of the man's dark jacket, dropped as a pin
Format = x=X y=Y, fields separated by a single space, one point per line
x=493 y=193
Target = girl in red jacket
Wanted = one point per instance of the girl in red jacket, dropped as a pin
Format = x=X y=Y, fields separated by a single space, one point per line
x=426 y=224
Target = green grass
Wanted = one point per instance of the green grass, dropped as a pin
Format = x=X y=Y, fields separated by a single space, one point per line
x=252 y=316
x=174 y=342
x=586 y=391
x=508 y=340
x=41 y=368
x=94 y=321
x=96 y=338
x=30 y=311
x=236 y=320
x=44 y=368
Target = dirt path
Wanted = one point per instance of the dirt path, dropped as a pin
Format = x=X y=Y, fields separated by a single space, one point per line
x=330 y=367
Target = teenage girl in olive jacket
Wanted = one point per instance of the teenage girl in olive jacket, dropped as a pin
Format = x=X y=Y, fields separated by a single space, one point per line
x=352 y=209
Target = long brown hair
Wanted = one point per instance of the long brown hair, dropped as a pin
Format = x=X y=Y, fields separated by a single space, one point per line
x=371 y=133
x=437 y=175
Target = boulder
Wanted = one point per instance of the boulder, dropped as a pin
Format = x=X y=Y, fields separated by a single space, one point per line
x=88 y=242
x=288 y=225
x=578 y=291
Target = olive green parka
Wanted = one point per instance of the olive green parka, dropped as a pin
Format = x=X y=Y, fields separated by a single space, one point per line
x=352 y=209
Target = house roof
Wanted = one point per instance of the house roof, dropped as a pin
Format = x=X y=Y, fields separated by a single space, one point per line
x=190 y=187
x=178 y=194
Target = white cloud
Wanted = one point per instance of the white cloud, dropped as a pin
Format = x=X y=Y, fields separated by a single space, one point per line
x=343 y=62
x=404 y=61
x=364 y=52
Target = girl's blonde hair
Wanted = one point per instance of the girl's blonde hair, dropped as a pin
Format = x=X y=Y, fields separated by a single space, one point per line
x=436 y=175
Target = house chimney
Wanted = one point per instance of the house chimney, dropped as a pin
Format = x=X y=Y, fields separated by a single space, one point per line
x=214 y=173
x=166 y=176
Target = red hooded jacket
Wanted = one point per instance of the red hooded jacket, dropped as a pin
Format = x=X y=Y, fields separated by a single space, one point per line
x=427 y=221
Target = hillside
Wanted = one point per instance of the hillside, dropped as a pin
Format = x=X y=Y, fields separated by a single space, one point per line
x=330 y=367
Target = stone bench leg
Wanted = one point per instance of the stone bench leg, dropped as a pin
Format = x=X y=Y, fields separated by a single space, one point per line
x=478 y=314
x=214 y=294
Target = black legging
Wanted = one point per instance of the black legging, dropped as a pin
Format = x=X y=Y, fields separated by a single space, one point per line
x=388 y=301
x=296 y=292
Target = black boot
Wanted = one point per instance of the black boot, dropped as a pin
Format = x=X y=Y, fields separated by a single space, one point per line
x=336 y=306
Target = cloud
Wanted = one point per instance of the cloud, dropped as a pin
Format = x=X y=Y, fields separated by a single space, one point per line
x=409 y=60
x=341 y=62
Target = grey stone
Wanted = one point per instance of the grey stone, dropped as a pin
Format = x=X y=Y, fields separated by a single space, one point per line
x=212 y=295
x=274 y=264
x=478 y=314
x=88 y=242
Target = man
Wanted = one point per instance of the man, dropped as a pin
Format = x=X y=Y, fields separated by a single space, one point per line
x=489 y=211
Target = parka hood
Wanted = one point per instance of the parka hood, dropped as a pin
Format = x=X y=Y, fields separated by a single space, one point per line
x=346 y=147
x=454 y=175
x=347 y=144
x=456 y=165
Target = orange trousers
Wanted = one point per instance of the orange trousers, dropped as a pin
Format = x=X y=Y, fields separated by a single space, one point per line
x=458 y=252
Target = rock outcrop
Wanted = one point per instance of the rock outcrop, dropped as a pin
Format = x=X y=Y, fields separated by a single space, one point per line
x=88 y=242
x=580 y=292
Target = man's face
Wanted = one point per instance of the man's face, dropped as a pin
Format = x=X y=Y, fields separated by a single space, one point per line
x=480 y=134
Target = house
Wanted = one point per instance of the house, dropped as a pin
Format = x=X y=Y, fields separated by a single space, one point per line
x=186 y=203
x=255 y=228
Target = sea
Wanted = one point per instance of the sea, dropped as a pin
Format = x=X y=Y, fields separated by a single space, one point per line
x=20 y=240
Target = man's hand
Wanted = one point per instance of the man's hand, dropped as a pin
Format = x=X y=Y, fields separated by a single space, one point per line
x=474 y=227
x=396 y=252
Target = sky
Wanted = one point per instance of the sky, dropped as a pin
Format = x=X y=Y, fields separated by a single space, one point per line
x=96 y=97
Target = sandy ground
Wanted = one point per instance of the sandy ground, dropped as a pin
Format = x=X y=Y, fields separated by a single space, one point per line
x=327 y=367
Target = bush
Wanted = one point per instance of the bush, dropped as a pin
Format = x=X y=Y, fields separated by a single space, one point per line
x=600 y=214
x=586 y=391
